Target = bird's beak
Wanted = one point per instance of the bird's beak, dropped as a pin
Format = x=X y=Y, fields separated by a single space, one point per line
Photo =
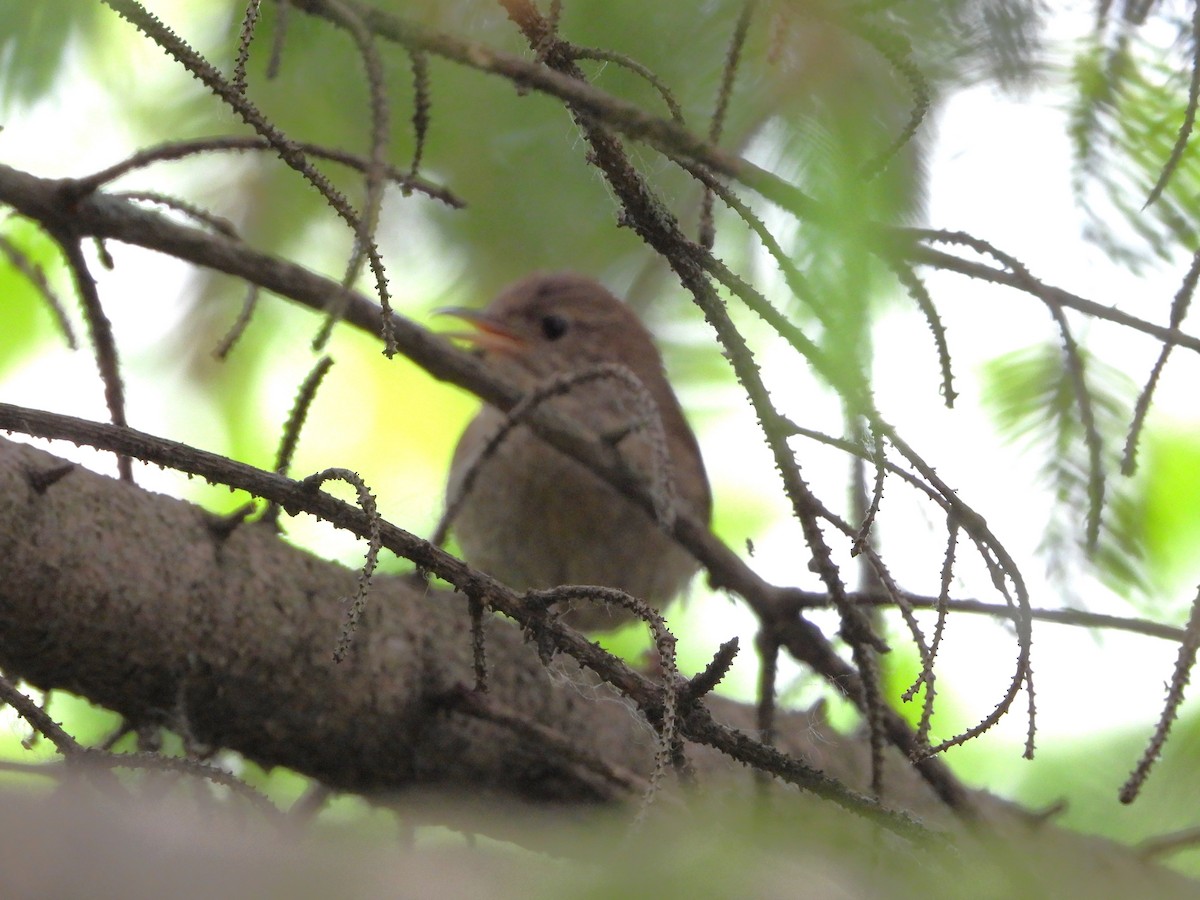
x=488 y=334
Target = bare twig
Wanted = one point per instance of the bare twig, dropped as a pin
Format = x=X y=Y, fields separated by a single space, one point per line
x=37 y=277
x=104 y=345
x=1189 y=116
x=1179 y=308
x=1183 y=669
x=366 y=502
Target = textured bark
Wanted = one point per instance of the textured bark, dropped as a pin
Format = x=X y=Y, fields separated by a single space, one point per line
x=135 y=601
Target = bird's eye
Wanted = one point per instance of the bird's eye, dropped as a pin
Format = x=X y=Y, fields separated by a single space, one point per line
x=553 y=327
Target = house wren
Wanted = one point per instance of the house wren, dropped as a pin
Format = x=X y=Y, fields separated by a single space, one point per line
x=532 y=516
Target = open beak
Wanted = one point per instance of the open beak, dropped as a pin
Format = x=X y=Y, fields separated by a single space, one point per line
x=488 y=334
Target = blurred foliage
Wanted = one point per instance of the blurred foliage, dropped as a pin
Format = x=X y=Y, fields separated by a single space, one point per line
x=1172 y=528
x=950 y=713
x=825 y=74
x=1032 y=397
x=1074 y=770
x=34 y=43
x=726 y=846
x=1127 y=108
x=827 y=91
x=28 y=319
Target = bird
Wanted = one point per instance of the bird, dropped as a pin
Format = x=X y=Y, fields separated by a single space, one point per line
x=531 y=516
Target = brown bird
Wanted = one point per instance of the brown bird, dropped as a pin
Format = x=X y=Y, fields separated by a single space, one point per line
x=535 y=518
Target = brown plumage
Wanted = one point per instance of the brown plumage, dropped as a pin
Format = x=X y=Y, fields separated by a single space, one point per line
x=535 y=518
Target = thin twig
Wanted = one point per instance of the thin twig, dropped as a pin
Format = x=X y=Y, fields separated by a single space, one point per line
x=715 y=126
x=1189 y=116
x=1179 y=679
x=366 y=502
x=1179 y=308
x=104 y=345
x=35 y=275
x=175 y=150
x=133 y=12
x=245 y=36
x=290 y=438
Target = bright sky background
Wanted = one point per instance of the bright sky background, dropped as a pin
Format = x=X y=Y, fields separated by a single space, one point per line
x=1031 y=215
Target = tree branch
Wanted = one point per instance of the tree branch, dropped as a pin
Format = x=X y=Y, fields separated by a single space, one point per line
x=48 y=201
x=135 y=601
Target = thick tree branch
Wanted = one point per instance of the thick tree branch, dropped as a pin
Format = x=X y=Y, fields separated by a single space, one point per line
x=135 y=601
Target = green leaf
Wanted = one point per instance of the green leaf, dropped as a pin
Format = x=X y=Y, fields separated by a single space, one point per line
x=1128 y=106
